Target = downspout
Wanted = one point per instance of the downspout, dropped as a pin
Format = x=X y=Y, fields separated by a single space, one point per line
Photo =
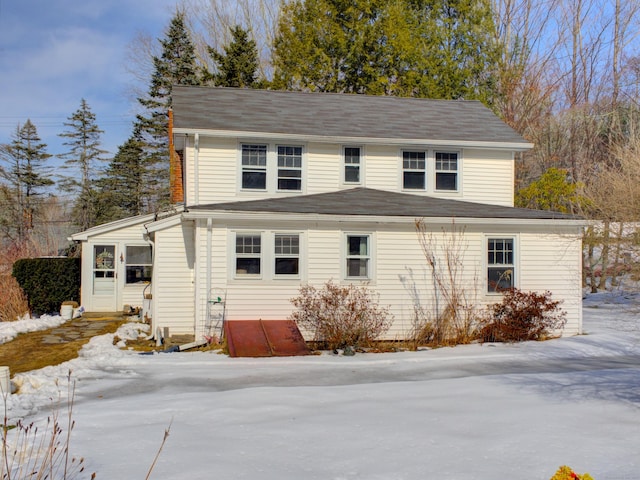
x=196 y=182
x=153 y=274
x=208 y=256
x=209 y=243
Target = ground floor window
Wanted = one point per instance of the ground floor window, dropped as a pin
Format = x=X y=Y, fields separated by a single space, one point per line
x=248 y=254
x=267 y=255
x=500 y=264
x=138 y=264
x=358 y=256
x=287 y=254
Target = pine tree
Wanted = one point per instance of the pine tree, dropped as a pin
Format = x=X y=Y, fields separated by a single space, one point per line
x=423 y=48
x=123 y=189
x=25 y=177
x=83 y=156
x=238 y=65
x=176 y=66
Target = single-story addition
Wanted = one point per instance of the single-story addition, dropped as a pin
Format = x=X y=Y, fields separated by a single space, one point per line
x=275 y=190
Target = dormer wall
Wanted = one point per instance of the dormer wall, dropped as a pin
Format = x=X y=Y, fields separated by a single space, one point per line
x=217 y=169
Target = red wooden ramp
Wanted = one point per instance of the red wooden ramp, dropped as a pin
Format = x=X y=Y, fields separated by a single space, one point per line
x=264 y=338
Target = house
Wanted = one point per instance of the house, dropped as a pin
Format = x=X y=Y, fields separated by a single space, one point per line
x=274 y=190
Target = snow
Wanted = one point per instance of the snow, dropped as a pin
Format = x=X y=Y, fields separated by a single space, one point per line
x=10 y=330
x=488 y=411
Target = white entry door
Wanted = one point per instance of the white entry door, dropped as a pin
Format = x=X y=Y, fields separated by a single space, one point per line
x=104 y=296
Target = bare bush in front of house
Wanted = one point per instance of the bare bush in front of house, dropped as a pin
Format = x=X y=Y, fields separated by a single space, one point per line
x=341 y=316
x=450 y=319
x=522 y=316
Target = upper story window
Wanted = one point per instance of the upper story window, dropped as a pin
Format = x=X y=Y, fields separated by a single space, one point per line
x=352 y=164
x=358 y=258
x=248 y=254
x=138 y=264
x=271 y=168
x=446 y=171
x=254 y=167
x=414 y=170
x=289 y=168
x=500 y=264
x=286 y=254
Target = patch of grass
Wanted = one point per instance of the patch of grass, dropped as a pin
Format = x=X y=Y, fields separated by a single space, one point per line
x=28 y=351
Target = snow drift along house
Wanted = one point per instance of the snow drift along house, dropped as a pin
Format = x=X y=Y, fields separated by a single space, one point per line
x=278 y=189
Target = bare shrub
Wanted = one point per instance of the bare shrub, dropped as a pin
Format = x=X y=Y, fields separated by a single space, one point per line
x=13 y=302
x=522 y=316
x=28 y=453
x=451 y=319
x=341 y=316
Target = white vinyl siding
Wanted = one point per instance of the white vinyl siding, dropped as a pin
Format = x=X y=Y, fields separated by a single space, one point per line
x=488 y=177
x=123 y=293
x=553 y=262
x=402 y=276
x=324 y=167
x=173 y=288
x=323 y=171
x=217 y=170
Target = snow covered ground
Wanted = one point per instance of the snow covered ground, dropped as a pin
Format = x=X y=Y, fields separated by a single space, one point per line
x=470 y=412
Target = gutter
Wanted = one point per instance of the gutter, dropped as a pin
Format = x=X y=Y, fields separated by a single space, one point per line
x=240 y=215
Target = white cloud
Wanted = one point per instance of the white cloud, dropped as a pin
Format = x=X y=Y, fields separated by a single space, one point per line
x=54 y=53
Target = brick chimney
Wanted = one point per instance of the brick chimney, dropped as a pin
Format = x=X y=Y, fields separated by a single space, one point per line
x=175 y=167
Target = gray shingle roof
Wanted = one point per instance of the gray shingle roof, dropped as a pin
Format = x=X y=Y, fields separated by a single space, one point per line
x=366 y=201
x=337 y=115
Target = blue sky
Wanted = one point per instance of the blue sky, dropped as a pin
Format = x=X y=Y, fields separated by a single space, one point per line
x=53 y=53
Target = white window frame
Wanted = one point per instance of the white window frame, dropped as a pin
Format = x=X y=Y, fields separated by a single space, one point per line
x=257 y=168
x=249 y=255
x=283 y=164
x=513 y=266
x=410 y=169
x=267 y=256
x=291 y=254
x=143 y=265
x=272 y=169
x=431 y=170
x=369 y=256
x=438 y=171
x=349 y=165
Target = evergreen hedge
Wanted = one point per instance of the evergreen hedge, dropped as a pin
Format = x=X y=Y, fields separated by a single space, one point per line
x=47 y=282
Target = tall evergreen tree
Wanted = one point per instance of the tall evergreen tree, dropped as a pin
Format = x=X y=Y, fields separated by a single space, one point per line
x=84 y=154
x=238 y=65
x=176 y=66
x=423 y=48
x=123 y=189
x=25 y=177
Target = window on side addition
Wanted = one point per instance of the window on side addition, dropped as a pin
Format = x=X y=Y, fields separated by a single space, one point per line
x=414 y=176
x=352 y=165
x=248 y=254
x=138 y=264
x=500 y=264
x=446 y=171
x=254 y=167
x=289 y=168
